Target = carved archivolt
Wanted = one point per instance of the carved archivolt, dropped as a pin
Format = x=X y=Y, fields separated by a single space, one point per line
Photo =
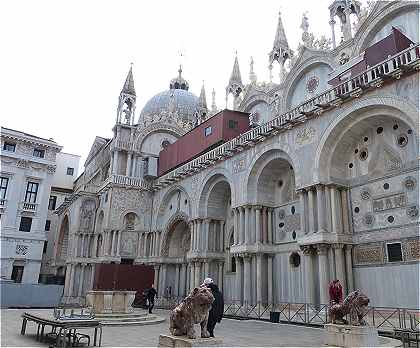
x=179 y=216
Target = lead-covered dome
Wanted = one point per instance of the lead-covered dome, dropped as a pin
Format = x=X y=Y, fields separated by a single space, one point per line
x=176 y=101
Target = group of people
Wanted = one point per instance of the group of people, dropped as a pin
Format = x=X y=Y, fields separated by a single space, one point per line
x=215 y=313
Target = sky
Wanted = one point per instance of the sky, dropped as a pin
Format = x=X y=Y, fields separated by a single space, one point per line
x=63 y=63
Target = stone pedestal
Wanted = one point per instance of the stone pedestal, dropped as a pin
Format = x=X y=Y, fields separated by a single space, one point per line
x=183 y=341
x=111 y=301
x=351 y=336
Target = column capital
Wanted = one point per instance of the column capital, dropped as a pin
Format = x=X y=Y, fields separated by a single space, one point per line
x=349 y=247
x=322 y=249
x=338 y=245
x=306 y=249
x=257 y=207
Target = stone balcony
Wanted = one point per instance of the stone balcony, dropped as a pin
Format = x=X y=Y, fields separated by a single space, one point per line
x=3 y=203
x=29 y=207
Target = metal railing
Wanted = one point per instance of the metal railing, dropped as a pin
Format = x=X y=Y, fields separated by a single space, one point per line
x=129 y=181
x=383 y=318
x=31 y=207
x=371 y=77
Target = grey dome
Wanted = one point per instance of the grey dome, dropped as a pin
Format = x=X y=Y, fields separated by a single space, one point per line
x=177 y=101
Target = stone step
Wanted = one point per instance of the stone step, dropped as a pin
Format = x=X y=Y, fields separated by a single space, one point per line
x=149 y=321
x=122 y=315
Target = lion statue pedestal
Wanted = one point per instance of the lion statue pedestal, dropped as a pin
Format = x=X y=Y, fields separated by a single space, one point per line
x=194 y=309
x=348 y=328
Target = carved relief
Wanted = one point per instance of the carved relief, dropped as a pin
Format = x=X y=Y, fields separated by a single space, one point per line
x=239 y=165
x=368 y=219
x=389 y=202
x=409 y=183
x=22 y=164
x=282 y=214
x=292 y=223
x=25 y=149
x=87 y=215
x=412 y=211
x=305 y=135
x=129 y=199
x=413 y=250
x=365 y=194
x=392 y=162
x=21 y=249
x=128 y=244
x=368 y=254
x=51 y=169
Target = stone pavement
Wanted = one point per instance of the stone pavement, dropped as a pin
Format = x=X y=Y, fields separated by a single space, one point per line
x=245 y=333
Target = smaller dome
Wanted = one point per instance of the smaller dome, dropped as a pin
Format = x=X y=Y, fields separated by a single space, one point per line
x=179 y=82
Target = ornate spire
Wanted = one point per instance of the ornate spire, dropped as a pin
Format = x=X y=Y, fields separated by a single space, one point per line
x=179 y=82
x=252 y=75
x=235 y=76
x=128 y=87
x=127 y=100
x=202 y=98
x=281 y=50
x=235 y=86
x=213 y=101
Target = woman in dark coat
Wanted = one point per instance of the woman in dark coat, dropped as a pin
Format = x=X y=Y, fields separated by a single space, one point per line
x=217 y=308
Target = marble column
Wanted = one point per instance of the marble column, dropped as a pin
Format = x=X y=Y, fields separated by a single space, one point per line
x=192 y=275
x=335 y=211
x=182 y=279
x=75 y=245
x=67 y=279
x=259 y=278
x=304 y=210
x=200 y=234
x=258 y=224
x=270 y=225
x=128 y=168
x=264 y=224
x=92 y=276
x=95 y=250
x=339 y=265
x=322 y=250
x=309 y=274
x=159 y=235
x=114 y=235
x=145 y=237
x=163 y=271
x=177 y=283
x=206 y=234
x=241 y=225
x=239 y=280
x=118 y=243
x=206 y=269
x=332 y=23
x=270 y=299
x=115 y=162
x=247 y=279
x=247 y=229
x=220 y=275
x=190 y=227
x=71 y=282
x=320 y=205
x=197 y=274
x=156 y=277
x=221 y=236
x=81 y=279
x=345 y=211
x=331 y=263
x=328 y=212
x=349 y=268
x=235 y=226
x=139 y=246
x=311 y=211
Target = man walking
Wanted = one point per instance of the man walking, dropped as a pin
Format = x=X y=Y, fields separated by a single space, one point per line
x=217 y=308
x=151 y=293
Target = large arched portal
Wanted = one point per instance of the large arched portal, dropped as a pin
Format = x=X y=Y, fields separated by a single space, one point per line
x=176 y=245
x=63 y=240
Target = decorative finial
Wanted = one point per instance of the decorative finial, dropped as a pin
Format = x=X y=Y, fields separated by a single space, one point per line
x=180 y=70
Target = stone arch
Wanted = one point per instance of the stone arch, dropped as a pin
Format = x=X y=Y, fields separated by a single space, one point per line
x=295 y=75
x=63 y=239
x=365 y=110
x=169 y=229
x=164 y=203
x=215 y=181
x=375 y=22
x=158 y=127
x=130 y=221
x=257 y=166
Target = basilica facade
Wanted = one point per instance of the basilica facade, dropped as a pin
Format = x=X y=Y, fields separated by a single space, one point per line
x=323 y=186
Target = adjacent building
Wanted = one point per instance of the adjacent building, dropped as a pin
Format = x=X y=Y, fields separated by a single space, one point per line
x=30 y=167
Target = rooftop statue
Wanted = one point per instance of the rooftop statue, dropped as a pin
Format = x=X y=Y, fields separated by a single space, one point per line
x=194 y=309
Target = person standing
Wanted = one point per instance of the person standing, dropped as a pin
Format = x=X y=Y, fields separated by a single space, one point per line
x=151 y=293
x=336 y=292
x=217 y=308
